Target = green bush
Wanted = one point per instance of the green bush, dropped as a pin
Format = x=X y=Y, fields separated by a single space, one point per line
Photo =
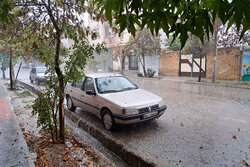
x=139 y=74
x=150 y=73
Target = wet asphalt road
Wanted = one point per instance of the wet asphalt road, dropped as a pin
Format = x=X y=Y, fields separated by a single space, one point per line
x=203 y=126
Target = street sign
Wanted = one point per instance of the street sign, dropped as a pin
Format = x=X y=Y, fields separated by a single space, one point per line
x=4 y=56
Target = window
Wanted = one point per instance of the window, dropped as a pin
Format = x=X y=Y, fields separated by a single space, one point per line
x=33 y=71
x=114 y=84
x=89 y=84
x=41 y=70
x=78 y=84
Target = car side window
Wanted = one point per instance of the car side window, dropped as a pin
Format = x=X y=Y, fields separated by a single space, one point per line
x=32 y=71
x=89 y=84
x=78 y=84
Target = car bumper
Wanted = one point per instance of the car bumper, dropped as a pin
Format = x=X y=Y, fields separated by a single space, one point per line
x=42 y=79
x=121 y=119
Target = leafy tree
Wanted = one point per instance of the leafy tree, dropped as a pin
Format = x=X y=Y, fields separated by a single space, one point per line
x=231 y=37
x=11 y=40
x=45 y=23
x=180 y=18
x=173 y=45
x=144 y=43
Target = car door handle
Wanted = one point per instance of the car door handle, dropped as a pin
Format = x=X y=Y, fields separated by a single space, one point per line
x=82 y=96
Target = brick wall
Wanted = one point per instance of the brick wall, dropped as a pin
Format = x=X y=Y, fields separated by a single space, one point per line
x=228 y=64
x=169 y=64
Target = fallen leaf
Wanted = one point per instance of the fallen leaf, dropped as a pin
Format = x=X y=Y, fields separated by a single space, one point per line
x=15 y=140
x=65 y=158
x=182 y=138
x=182 y=124
x=234 y=137
x=90 y=158
x=0 y=133
x=244 y=163
x=248 y=146
x=238 y=129
x=65 y=152
x=201 y=147
x=146 y=138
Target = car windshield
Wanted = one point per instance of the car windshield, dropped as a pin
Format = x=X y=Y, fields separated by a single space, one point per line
x=41 y=70
x=114 y=84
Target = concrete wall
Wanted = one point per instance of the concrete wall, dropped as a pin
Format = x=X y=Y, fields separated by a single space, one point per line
x=151 y=62
x=228 y=64
x=169 y=64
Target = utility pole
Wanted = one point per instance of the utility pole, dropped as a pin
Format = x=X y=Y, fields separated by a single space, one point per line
x=217 y=25
x=215 y=57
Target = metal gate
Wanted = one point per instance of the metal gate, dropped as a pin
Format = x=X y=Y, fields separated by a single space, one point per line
x=190 y=65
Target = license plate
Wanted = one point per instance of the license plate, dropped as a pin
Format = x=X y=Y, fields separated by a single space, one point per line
x=151 y=114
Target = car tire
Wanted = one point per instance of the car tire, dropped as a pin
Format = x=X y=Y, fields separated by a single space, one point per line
x=108 y=120
x=70 y=104
x=31 y=81
x=38 y=83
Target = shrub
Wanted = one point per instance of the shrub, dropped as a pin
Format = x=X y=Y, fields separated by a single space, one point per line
x=150 y=73
x=139 y=74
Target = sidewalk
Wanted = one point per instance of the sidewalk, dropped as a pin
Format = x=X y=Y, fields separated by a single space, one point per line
x=13 y=147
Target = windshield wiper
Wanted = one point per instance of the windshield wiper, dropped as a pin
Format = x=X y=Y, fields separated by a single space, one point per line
x=110 y=91
x=128 y=88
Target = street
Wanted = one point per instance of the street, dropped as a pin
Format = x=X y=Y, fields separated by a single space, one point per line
x=203 y=125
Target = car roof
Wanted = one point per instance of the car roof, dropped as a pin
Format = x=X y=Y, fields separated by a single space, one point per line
x=101 y=75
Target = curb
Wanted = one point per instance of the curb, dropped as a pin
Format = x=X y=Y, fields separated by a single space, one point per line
x=127 y=155
x=216 y=84
x=131 y=158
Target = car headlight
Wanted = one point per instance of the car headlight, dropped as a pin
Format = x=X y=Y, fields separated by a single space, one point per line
x=161 y=104
x=130 y=111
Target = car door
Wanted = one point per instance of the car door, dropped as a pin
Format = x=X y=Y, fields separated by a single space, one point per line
x=74 y=91
x=32 y=74
x=89 y=102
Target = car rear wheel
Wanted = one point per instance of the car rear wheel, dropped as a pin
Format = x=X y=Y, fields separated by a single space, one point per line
x=31 y=81
x=108 y=120
x=70 y=104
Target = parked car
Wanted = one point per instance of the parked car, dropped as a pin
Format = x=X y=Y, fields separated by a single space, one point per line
x=114 y=99
x=37 y=74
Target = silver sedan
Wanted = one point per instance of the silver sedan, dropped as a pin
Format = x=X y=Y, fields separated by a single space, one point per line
x=114 y=99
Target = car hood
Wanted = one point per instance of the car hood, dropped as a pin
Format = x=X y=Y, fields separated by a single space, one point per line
x=133 y=98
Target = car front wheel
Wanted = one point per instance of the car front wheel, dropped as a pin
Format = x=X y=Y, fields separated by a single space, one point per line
x=70 y=104
x=108 y=120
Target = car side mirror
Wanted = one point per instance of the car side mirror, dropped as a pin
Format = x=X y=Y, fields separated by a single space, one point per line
x=90 y=92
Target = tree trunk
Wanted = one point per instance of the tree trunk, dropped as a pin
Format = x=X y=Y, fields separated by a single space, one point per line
x=61 y=86
x=199 y=80
x=143 y=65
x=59 y=74
x=11 y=70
